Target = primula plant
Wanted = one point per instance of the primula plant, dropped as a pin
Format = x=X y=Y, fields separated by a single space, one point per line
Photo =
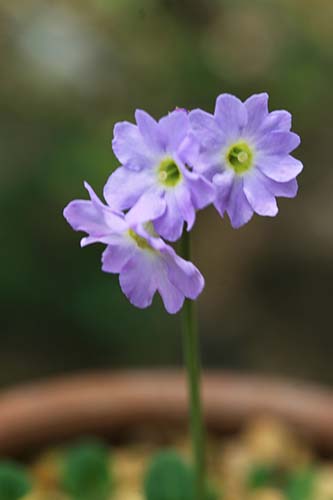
x=237 y=159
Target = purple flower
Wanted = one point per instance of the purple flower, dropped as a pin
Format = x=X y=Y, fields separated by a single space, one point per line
x=144 y=262
x=245 y=151
x=156 y=157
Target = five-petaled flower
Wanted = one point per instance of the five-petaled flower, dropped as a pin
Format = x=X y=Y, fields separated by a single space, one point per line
x=156 y=160
x=245 y=151
x=145 y=263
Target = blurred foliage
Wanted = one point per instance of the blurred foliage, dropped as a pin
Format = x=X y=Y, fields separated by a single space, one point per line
x=266 y=460
x=263 y=475
x=70 y=70
x=170 y=478
x=301 y=485
x=297 y=484
x=86 y=472
x=14 y=481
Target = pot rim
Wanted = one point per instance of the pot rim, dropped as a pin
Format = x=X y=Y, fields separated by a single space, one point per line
x=39 y=413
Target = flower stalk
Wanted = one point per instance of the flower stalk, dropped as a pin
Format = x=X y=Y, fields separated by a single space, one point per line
x=193 y=371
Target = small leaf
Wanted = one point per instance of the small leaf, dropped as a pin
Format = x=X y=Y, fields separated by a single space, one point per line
x=86 y=472
x=170 y=478
x=262 y=475
x=300 y=485
x=14 y=481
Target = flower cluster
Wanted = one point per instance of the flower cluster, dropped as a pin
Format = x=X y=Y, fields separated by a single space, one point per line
x=237 y=158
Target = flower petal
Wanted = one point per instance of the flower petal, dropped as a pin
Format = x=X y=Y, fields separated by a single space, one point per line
x=117 y=254
x=113 y=218
x=93 y=217
x=238 y=207
x=138 y=278
x=260 y=198
x=231 y=115
x=148 y=208
x=184 y=275
x=257 y=111
x=279 y=120
x=170 y=224
x=202 y=191
x=223 y=183
x=285 y=189
x=174 y=127
x=206 y=129
x=83 y=215
x=278 y=143
x=189 y=149
x=148 y=128
x=173 y=298
x=185 y=204
x=209 y=163
x=129 y=147
x=279 y=168
x=124 y=187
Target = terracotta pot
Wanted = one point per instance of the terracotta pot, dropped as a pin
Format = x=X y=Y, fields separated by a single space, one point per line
x=106 y=403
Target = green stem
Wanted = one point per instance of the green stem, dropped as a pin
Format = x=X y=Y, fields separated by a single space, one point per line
x=193 y=369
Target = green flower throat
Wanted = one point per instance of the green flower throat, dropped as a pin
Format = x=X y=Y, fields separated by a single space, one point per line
x=140 y=241
x=168 y=173
x=240 y=157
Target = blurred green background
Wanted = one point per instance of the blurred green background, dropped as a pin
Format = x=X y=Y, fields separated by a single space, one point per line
x=69 y=70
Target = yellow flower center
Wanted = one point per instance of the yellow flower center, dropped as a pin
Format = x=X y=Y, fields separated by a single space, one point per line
x=169 y=173
x=140 y=240
x=240 y=157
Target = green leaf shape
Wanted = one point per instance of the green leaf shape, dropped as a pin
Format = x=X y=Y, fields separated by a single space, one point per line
x=300 y=485
x=86 y=471
x=169 y=478
x=264 y=475
x=14 y=481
